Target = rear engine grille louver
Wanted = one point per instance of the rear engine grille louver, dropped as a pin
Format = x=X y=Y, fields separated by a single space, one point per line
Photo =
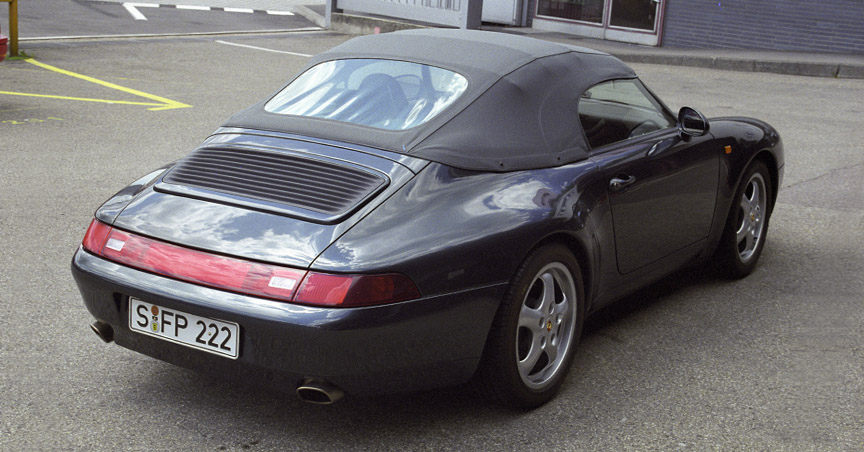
x=275 y=178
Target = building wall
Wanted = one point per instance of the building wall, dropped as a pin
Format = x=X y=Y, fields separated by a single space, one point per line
x=806 y=25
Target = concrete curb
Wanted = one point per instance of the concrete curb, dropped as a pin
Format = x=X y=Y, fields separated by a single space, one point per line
x=808 y=69
x=363 y=25
x=849 y=71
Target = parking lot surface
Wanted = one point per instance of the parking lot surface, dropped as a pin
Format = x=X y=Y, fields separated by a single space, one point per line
x=40 y=19
x=771 y=362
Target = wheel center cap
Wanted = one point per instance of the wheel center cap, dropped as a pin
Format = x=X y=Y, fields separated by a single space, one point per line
x=548 y=325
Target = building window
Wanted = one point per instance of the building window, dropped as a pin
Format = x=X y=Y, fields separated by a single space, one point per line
x=581 y=10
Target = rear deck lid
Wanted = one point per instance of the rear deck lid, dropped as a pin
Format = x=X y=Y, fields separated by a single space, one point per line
x=304 y=186
x=265 y=197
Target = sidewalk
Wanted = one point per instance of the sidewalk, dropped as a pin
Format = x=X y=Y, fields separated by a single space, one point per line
x=744 y=60
x=780 y=62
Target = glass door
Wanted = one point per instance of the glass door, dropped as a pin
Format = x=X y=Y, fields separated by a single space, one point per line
x=634 y=21
x=636 y=14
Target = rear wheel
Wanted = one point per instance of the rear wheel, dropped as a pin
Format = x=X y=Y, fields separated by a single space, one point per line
x=530 y=346
x=747 y=223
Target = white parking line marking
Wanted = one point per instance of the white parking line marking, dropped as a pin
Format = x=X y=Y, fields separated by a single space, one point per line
x=133 y=9
x=264 y=49
x=194 y=7
x=169 y=35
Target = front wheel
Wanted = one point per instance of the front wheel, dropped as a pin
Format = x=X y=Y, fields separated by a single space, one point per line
x=747 y=224
x=530 y=345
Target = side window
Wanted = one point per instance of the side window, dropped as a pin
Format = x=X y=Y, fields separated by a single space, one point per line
x=620 y=109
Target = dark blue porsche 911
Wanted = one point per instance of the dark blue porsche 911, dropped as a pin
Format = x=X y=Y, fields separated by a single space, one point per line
x=422 y=209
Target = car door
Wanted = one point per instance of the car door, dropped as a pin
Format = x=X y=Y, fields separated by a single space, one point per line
x=661 y=187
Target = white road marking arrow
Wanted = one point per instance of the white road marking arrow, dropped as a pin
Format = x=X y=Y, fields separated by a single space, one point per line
x=133 y=9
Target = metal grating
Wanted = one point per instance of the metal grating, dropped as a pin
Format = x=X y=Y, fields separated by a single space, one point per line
x=276 y=177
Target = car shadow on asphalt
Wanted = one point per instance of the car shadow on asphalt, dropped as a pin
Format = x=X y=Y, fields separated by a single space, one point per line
x=260 y=407
x=651 y=295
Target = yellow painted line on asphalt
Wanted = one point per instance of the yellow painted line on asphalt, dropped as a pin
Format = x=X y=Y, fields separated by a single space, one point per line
x=160 y=103
x=168 y=103
x=85 y=99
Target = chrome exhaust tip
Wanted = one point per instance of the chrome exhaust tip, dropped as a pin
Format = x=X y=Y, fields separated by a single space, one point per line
x=318 y=392
x=103 y=330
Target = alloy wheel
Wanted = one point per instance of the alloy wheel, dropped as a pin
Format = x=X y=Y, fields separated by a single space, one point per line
x=546 y=325
x=751 y=213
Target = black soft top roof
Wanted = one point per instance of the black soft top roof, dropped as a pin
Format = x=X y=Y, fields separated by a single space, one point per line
x=519 y=110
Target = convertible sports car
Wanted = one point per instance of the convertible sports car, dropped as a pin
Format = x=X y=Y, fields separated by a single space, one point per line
x=421 y=209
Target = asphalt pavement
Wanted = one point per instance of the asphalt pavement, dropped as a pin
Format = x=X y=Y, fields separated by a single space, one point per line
x=65 y=20
x=286 y=15
x=694 y=363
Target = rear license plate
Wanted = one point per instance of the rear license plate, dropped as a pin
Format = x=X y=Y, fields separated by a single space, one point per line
x=202 y=333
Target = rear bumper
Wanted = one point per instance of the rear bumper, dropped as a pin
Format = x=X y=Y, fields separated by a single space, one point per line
x=414 y=345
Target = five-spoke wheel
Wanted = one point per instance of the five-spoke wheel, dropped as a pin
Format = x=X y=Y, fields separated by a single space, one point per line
x=747 y=225
x=751 y=214
x=530 y=345
x=546 y=322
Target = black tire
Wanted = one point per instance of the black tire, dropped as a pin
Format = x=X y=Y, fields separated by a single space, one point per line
x=548 y=284
x=746 y=229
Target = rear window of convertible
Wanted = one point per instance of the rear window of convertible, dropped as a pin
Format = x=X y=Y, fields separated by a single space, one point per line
x=386 y=94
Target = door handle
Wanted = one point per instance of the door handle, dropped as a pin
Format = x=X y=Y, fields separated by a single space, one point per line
x=619 y=184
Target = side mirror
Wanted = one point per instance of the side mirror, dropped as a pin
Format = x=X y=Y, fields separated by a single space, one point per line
x=691 y=123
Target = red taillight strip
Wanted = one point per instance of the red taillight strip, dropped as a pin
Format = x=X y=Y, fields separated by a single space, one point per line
x=192 y=265
x=246 y=277
x=356 y=290
x=96 y=236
